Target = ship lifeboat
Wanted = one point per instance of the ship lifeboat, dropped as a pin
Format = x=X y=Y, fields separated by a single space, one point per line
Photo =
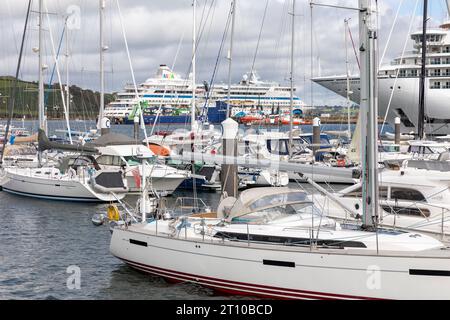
x=296 y=122
x=251 y=118
x=159 y=150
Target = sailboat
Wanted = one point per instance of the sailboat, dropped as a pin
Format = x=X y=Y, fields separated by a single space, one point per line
x=275 y=243
x=77 y=178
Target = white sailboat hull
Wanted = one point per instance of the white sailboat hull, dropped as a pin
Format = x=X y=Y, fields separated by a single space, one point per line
x=292 y=273
x=21 y=182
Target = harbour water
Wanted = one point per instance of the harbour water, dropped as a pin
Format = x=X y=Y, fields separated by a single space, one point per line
x=41 y=241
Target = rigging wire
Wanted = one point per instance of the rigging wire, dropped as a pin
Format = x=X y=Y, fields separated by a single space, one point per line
x=56 y=60
x=259 y=36
x=131 y=69
x=12 y=100
x=390 y=33
x=398 y=69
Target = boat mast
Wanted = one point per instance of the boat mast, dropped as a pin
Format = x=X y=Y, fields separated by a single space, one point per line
x=67 y=69
x=102 y=6
x=41 y=104
x=349 y=132
x=291 y=107
x=369 y=113
x=194 y=60
x=421 y=120
x=41 y=70
x=230 y=55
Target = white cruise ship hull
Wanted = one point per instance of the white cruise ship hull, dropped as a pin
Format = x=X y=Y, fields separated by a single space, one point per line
x=405 y=101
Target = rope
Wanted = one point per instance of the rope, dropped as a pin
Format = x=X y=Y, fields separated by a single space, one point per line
x=354 y=48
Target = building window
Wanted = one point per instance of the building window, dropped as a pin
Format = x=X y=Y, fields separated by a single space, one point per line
x=435 y=72
x=447 y=85
x=435 y=61
x=435 y=85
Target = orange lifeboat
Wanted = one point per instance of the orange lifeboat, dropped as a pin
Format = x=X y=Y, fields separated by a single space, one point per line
x=159 y=150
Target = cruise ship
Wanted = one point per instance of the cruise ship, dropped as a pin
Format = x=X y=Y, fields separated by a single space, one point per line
x=171 y=95
x=405 y=99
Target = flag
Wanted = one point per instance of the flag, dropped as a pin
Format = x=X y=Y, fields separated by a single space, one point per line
x=137 y=177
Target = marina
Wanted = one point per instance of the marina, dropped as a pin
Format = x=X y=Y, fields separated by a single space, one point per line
x=181 y=188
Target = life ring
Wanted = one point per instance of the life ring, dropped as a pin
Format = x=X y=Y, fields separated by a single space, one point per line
x=113 y=213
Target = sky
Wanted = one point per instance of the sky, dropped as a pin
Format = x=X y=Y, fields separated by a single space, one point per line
x=160 y=32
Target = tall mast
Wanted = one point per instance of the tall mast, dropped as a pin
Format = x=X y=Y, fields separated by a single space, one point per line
x=194 y=60
x=67 y=69
x=369 y=113
x=102 y=5
x=230 y=57
x=41 y=70
x=421 y=120
x=291 y=108
x=349 y=134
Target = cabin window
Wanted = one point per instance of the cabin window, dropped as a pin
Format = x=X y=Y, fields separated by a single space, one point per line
x=110 y=161
x=407 y=211
x=406 y=194
x=357 y=193
x=414 y=149
x=278 y=147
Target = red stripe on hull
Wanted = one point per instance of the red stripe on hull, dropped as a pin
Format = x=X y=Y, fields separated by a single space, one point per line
x=239 y=288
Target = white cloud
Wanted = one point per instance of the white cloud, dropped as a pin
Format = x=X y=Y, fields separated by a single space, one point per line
x=154 y=29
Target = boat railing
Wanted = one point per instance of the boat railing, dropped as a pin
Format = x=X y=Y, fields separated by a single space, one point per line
x=430 y=219
x=180 y=229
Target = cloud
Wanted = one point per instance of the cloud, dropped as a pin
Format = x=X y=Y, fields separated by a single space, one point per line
x=156 y=30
